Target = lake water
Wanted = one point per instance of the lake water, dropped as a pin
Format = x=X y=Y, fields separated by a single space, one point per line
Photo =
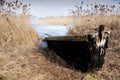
x=48 y=30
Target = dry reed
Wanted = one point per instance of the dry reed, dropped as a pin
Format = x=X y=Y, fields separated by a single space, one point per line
x=16 y=32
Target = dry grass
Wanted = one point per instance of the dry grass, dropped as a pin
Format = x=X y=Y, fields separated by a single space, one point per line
x=19 y=65
x=16 y=32
x=57 y=20
x=35 y=66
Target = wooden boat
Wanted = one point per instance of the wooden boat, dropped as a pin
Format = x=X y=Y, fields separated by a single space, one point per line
x=80 y=51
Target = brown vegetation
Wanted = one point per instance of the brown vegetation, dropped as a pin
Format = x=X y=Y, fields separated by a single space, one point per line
x=15 y=27
x=16 y=33
x=57 y=20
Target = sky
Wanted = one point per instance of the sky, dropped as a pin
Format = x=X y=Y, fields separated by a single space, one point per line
x=43 y=8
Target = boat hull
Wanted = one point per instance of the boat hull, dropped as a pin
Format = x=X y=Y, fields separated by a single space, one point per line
x=83 y=55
